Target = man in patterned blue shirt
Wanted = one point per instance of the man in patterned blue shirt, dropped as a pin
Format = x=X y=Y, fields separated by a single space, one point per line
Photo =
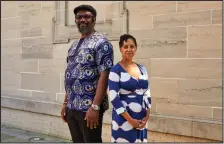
x=86 y=78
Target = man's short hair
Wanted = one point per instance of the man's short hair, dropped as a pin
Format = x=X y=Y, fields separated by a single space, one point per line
x=85 y=7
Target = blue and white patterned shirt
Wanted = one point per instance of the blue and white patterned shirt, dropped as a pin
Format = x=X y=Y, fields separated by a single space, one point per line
x=87 y=58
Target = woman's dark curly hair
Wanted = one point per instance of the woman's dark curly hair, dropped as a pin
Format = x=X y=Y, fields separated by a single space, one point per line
x=125 y=37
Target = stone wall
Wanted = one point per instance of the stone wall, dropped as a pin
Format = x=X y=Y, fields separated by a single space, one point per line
x=180 y=43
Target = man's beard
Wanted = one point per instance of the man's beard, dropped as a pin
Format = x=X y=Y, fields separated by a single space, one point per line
x=84 y=29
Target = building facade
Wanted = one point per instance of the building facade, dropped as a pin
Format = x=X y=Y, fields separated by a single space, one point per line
x=179 y=42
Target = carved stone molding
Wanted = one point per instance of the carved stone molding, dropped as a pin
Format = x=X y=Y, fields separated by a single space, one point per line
x=110 y=27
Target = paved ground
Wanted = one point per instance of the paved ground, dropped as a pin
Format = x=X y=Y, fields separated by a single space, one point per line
x=10 y=134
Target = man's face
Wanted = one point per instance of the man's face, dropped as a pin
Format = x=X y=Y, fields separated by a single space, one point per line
x=85 y=21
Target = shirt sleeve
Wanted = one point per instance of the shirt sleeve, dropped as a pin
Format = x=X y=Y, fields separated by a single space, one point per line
x=104 y=56
x=147 y=94
x=114 y=87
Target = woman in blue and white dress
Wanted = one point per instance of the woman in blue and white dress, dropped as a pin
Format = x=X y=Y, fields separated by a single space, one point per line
x=130 y=95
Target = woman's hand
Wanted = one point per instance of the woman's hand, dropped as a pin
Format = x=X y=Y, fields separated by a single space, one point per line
x=135 y=123
x=144 y=122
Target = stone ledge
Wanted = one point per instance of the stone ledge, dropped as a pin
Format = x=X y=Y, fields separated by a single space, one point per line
x=54 y=126
x=200 y=128
x=42 y=107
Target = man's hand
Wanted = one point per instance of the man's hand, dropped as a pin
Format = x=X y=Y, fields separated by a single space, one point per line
x=63 y=113
x=92 y=118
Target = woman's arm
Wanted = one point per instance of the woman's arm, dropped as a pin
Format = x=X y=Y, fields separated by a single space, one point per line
x=114 y=87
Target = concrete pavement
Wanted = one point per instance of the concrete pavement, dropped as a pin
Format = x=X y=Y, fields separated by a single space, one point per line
x=11 y=134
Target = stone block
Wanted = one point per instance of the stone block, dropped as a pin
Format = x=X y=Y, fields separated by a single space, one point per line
x=43 y=19
x=205 y=41
x=60 y=17
x=11 y=62
x=117 y=28
x=31 y=32
x=62 y=86
x=29 y=65
x=44 y=96
x=47 y=32
x=7 y=4
x=200 y=92
x=116 y=9
x=73 y=4
x=41 y=82
x=62 y=32
x=151 y=7
x=182 y=19
x=184 y=139
x=138 y=21
x=60 y=51
x=104 y=27
x=24 y=5
x=48 y=108
x=16 y=93
x=217 y=16
x=179 y=33
x=199 y=140
x=33 y=18
x=188 y=6
x=157 y=136
x=186 y=68
x=48 y=4
x=164 y=90
x=101 y=12
x=149 y=48
x=170 y=125
x=6 y=9
x=52 y=66
x=209 y=131
x=13 y=46
x=10 y=34
x=10 y=79
x=153 y=106
x=109 y=11
x=116 y=49
x=26 y=15
x=185 y=110
x=13 y=23
x=217 y=113
x=37 y=48
x=60 y=97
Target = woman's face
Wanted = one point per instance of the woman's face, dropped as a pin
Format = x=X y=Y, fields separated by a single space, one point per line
x=128 y=49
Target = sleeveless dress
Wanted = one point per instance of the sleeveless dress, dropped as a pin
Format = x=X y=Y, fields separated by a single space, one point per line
x=132 y=95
